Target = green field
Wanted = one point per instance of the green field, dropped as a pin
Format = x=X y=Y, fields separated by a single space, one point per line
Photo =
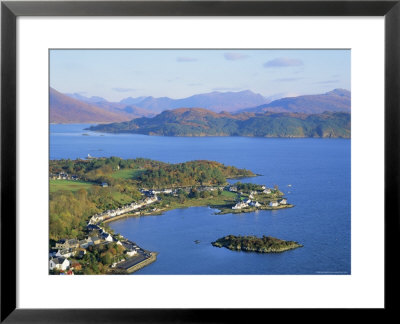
x=121 y=198
x=219 y=202
x=229 y=194
x=127 y=173
x=71 y=185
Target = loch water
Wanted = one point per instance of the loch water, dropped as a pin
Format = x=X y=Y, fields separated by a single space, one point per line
x=314 y=174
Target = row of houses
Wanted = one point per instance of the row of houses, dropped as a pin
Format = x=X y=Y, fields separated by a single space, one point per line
x=277 y=203
x=67 y=248
x=63 y=176
x=131 y=249
x=174 y=191
x=233 y=188
x=246 y=203
x=252 y=203
x=97 y=218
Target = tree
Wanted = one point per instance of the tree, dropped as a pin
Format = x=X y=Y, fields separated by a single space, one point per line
x=107 y=258
x=204 y=194
x=193 y=193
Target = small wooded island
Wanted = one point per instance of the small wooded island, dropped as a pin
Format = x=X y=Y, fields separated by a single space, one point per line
x=265 y=244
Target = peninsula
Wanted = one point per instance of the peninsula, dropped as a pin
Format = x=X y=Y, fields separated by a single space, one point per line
x=86 y=194
x=203 y=122
x=265 y=244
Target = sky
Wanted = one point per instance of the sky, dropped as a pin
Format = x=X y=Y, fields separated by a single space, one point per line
x=118 y=74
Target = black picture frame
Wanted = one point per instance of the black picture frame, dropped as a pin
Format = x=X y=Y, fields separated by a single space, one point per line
x=10 y=10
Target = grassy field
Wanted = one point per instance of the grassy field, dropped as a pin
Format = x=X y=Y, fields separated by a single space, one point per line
x=71 y=185
x=229 y=194
x=218 y=201
x=127 y=173
x=121 y=198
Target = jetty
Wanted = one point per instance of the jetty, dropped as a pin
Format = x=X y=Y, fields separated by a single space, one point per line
x=135 y=263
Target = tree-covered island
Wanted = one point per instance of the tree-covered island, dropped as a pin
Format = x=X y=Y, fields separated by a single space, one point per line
x=203 y=122
x=85 y=194
x=265 y=244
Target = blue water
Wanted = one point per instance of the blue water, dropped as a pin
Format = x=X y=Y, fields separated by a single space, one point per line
x=317 y=169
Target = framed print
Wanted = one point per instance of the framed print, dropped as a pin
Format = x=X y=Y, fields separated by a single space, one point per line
x=193 y=160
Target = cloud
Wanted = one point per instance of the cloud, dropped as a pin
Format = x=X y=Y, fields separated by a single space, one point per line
x=288 y=79
x=283 y=62
x=194 y=84
x=123 y=89
x=186 y=59
x=231 y=56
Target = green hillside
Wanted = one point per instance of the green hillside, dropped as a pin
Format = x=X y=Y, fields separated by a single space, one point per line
x=202 y=122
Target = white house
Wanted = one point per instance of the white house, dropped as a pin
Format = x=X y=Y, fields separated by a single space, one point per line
x=150 y=200
x=65 y=253
x=274 y=204
x=131 y=252
x=247 y=201
x=107 y=237
x=240 y=205
x=267 y=191
x=255 y=204
x=59 y=263
x=283 y=201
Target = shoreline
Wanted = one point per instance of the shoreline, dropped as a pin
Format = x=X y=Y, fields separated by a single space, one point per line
x=191 y=136
x=216 y=136
x=160 y=212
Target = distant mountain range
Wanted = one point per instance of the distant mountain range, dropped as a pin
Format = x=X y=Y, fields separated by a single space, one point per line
x=75 y=108
x=67 y=109
x=203 y=122
x=215 y=101
x=336 y=100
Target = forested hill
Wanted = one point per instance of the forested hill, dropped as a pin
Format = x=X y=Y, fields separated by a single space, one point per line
x=203 y=122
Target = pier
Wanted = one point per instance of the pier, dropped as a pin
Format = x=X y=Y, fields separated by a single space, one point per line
x=134 y=264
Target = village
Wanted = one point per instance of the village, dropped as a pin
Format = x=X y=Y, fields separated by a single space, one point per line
x=251 y=201
x=67 y=254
